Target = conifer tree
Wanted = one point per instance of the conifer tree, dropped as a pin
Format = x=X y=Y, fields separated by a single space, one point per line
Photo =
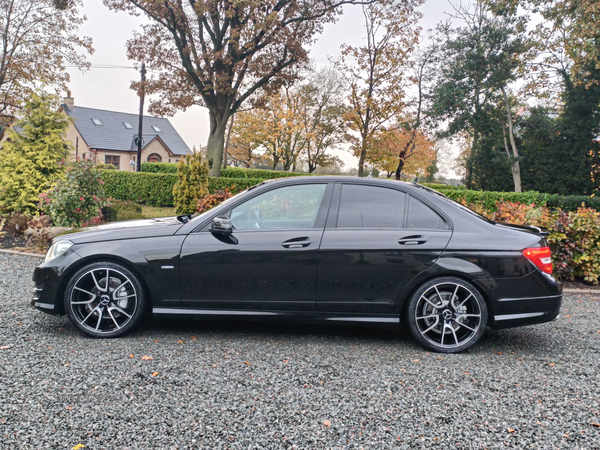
x=192 y=183
x=32 y=157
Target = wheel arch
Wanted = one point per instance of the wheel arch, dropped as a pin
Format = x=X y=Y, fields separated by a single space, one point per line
x=92 y=259
x=483 y=282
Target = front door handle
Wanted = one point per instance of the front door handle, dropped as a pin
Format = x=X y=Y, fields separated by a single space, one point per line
x=416 y=239
x=299 y=242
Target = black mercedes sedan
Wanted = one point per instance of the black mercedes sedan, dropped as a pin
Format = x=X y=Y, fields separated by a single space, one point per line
x=331 y=249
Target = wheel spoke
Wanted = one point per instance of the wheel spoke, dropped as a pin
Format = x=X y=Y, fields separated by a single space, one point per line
x=125 y=297
x=463 y=302
x=90 y=314
x=471 y=315
x=99 y=318
x=87 y=302
x=121 y=311
x=454 y=295
x=439 y=296
x=437 y=321
x=113 y=318
x=96 y=282
x=118 y=288
x=465 y=326
x=107 y=281
x=453 y=333
x=443 y=332
x=427 y=317
x=87 y=292
x=428 y=301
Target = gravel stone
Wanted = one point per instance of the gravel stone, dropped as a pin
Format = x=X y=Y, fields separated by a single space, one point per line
x=232 y=385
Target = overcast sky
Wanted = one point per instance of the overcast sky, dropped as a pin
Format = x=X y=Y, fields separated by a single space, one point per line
x=105 y=87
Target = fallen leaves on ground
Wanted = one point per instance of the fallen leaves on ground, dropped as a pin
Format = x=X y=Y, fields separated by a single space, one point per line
x=147 y=358
x=327 y=423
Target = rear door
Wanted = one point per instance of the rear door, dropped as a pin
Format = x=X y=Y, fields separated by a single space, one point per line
x=376 y=240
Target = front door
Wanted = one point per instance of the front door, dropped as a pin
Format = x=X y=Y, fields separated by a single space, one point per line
x=270 y=260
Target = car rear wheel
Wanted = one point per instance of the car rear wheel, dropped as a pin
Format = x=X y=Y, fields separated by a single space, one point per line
x=447 y=315
x=104 y=300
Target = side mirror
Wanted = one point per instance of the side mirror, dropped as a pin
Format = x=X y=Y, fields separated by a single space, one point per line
x=222 y=225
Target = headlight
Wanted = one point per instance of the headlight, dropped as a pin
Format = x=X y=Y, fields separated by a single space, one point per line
x=58 y=249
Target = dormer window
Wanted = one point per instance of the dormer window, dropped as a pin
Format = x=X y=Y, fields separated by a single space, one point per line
x=155 y=128
x=128 y=125
x=97 y=122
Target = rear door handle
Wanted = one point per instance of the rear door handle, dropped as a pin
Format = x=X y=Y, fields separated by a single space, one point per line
x=413 y=240
x=299 y=242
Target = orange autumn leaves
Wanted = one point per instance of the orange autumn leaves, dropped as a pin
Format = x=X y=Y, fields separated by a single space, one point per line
x=411 y=149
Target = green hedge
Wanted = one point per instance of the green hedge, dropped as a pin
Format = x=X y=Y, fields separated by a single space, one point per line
x=489 y=199
x=159 y=167
x=239 y=172
x=156 y=189
x=228 y=172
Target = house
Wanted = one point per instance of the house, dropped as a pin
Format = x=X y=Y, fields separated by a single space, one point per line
x=112 y=135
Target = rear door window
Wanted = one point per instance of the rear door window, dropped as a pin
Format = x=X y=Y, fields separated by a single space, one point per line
x=370 y=207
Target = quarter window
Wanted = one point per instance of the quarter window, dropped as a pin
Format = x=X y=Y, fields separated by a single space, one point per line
x=422 y=216
x=284 y=208
x=371 y=207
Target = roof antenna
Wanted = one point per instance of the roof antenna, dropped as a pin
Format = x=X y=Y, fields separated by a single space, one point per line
x=416 y=180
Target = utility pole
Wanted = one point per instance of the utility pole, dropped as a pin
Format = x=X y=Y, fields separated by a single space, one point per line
x=141 y=120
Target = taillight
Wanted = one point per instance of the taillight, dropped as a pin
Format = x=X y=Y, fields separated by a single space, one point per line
x=540 y=257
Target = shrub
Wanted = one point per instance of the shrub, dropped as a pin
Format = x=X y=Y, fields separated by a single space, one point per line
x=158 y=167
x=122 y=210
x=155 y=189
x=192 y=183
x=573 y=202
x=209 y=201
x=77 y=198
x=574 y=237
x=17 y=222
x=40 y=237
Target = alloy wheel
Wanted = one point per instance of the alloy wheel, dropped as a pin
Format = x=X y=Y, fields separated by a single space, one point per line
x=103 y=301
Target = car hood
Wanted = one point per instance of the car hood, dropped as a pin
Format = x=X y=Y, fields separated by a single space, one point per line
x=127 y=229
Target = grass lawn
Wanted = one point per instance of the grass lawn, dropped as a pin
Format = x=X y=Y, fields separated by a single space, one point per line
x=150 y=212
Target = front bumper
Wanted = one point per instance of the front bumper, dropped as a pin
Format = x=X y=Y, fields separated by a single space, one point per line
x=50 y=279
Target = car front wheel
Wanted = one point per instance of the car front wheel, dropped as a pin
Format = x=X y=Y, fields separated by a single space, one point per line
x=447 y=315
x=104 y=300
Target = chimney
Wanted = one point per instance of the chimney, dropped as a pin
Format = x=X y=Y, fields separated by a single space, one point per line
x=69 y=102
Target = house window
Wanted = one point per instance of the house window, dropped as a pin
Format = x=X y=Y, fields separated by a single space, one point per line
x=155 y=128
x=128 y=125
x=154 y=157
x=114 y=160
x=97 y=122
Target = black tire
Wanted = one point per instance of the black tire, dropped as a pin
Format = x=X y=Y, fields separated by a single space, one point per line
x=447 y=315
x=104 y=300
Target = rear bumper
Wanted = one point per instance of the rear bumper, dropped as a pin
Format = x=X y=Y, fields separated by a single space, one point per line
x=516 y=312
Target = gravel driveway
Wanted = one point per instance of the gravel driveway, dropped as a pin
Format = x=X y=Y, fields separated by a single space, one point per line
x=213 y=385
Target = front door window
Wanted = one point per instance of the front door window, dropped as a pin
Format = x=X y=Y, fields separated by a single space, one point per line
x=289 y=207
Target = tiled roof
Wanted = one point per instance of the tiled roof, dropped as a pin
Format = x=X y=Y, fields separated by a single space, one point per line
x=112 y=134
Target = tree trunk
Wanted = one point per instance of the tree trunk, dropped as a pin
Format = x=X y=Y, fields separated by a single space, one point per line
x=399 y=169
x=216 y=142
x=515 y=167
x=361 y=159
x=469 y=174
x=227 y=141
